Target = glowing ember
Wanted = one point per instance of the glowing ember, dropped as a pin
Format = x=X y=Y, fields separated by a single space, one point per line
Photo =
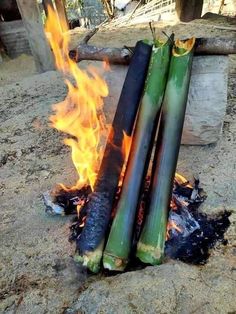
x=78 y=114
x=172 y=225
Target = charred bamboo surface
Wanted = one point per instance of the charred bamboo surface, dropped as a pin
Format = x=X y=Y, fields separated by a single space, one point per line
x=119 y=242
x=152 y=240
x=90 y=243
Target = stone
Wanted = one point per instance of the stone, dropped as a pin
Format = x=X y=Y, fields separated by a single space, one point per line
x=172 y=287
x=207 y=98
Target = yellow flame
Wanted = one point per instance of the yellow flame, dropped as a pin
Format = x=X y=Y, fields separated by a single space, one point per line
x=78 y=115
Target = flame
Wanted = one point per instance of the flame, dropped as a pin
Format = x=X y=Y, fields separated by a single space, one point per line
x=126 y=145
x=182 y=180
x=80 y=114
x=171 y=225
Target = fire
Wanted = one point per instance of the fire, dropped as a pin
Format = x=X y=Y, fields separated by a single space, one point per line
x=78 y=114
x=182 y=180
x=126 y=145
x=171 y=225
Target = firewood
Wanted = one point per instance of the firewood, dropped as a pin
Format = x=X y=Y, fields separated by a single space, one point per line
x=150 y=247
x=117 y=251
x=204 y=46
x=90 y=243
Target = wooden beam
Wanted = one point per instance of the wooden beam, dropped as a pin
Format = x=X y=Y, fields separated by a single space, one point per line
x=34 y=28
x=61 y=11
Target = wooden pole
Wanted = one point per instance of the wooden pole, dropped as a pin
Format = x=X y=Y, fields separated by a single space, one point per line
x=34 y=28
x=61 y=11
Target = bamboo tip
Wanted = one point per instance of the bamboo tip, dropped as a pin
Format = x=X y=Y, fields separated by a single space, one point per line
x=183 y=47
x=149 y=254
x=91 y=260
x=114 y=263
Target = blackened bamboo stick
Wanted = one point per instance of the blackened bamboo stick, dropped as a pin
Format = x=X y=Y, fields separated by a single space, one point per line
x=90 y=243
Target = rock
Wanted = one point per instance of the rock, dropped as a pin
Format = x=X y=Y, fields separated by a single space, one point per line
x=121 y=4
x=170 y=288
x=207 y=98
x=131 y=6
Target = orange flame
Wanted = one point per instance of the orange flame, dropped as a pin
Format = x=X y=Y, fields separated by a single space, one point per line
x=182 y=180
x=171 y=225
x=78 y=114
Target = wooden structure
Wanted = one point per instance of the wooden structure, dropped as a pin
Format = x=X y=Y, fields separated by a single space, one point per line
x=34 y=27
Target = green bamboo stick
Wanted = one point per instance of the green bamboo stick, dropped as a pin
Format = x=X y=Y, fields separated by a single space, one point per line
x=151 y=244
x=116 y=254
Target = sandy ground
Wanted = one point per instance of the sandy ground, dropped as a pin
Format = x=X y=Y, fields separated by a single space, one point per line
x=37 y=270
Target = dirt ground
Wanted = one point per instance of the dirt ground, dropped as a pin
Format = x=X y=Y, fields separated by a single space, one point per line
x=38 y=274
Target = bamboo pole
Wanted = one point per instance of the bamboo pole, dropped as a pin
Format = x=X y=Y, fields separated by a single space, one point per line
x=150 y=247
x=91 y=242
x=117 y=251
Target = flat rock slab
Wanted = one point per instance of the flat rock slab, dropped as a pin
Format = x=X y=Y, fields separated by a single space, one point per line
x=207 y=98
x=170 y=288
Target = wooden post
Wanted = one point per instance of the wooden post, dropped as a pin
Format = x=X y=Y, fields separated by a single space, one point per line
x=188 y=10
x=34 y=28
x=61 y=11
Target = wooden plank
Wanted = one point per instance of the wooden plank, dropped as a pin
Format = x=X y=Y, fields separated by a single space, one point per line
x=61 y=11
x=34 y=28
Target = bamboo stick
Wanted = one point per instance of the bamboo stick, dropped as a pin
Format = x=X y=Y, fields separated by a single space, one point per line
x=118 y=247
x=150 y=247
x=90 y=243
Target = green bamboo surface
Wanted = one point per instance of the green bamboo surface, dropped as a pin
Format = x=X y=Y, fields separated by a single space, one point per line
x=151 y=244
x=118 y=246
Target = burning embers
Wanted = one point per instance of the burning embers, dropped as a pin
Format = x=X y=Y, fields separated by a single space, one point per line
x=120 y=214
x=190 y=233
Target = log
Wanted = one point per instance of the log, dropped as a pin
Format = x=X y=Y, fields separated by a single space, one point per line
x=207 y=98
x=204 y=46
x=34 y=27
x=215 y=46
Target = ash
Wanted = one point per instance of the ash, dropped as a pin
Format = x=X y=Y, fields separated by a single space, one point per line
x=191 y=233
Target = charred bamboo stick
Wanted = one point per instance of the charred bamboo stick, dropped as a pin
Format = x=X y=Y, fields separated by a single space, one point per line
x=117 y=251
x=150 y=247
x=204 y=46
x=90 y=243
